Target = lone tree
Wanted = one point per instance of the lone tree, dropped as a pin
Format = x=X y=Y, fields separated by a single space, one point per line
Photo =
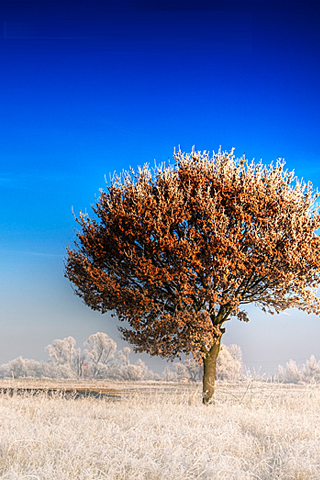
x=178 y=251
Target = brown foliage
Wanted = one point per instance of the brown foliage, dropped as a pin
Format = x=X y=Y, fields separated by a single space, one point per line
x=178 y=251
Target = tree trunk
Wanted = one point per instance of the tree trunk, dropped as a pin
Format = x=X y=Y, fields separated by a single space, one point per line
x=209 y=371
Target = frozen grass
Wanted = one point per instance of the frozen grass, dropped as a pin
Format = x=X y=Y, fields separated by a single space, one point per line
x=254 y=431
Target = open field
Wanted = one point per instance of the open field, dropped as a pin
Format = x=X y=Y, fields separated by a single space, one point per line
x=254 y=431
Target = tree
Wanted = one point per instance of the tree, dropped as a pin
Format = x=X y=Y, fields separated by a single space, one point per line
x=21 y=367
x=229 y=366
x=289 y=374
x=122 y=369
x=229 y=363
x=26 y=367
x=189 y=370
x=194 y=369
x=100 y=350
x=178 y=251
x=63 y=354
x=311 y=370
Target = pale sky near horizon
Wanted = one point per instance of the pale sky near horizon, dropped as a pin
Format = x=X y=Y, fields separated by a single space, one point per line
x=89 y=88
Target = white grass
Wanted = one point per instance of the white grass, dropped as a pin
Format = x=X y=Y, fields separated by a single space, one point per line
x=255 y=431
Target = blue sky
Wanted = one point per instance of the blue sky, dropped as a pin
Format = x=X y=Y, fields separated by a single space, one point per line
x=89 y=88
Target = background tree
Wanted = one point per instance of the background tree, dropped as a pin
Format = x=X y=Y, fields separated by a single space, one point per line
x=65 y=361
x=307 y=373
x=229 y=366
x=99 y=351
x=64 y=356
x=229 y=363
x=289 y=374
x=133 y=372
x=179 y=251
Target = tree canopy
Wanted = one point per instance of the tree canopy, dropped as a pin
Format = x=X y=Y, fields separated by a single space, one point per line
x=177 y=251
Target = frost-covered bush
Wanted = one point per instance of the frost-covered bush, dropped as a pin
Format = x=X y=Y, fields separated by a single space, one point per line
x=26 y=367
x=122 y=369
x=229 y=363
x=289 y=374
x=169 y=375
x=307 y=373
x=189 y=370
x=180 y=371
x=21 y=367
x=311 y=370
x=194 y=370
x=64 y=357
x=229 y=367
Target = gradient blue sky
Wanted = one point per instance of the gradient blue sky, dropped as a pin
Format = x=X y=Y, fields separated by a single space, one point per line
x=89 y=88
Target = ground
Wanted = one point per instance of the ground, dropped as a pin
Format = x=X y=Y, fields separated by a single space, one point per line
x=153 y=431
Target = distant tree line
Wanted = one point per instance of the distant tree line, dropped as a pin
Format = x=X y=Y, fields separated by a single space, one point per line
x=100 y=359
x=309 y=372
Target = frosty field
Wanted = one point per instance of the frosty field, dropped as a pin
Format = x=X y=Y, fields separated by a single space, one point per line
x=255 y=431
